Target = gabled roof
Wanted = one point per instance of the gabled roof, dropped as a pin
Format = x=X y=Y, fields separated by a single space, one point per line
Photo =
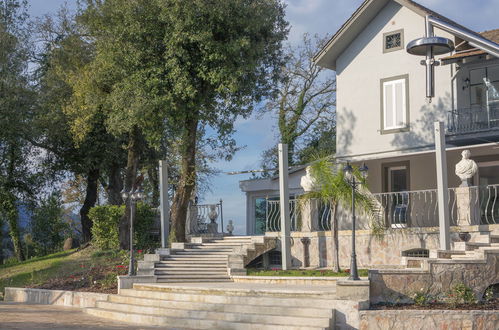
x=367 y=11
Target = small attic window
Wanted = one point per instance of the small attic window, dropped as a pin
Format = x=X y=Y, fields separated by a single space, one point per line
x=393 y=41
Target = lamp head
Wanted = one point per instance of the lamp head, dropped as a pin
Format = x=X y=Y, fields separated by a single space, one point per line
x=138 y=195
x=348 y=171
x=124 y=194
x=363 y=171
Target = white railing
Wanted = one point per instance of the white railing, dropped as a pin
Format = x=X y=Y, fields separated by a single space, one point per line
x=273 y=215
x=408 y=208
x=199 y=216
x=489 y=204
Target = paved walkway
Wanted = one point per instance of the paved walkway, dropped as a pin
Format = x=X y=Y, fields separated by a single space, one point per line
x=29 y=317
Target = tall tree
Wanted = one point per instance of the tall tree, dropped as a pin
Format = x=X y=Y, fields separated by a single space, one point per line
x=98 y=157
x=179 y=66
x=305 y=105
x=16 y=169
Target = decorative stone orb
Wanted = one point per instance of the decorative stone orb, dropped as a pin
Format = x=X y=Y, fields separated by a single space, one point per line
x=466 y=168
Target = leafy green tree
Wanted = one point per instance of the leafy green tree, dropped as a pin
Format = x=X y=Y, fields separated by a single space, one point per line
x=333 y=190
x=48 y=228
x=176 y=66
x=98 y=157
x=17 y=178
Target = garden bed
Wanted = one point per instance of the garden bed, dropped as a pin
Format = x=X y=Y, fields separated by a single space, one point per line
x=490 y=305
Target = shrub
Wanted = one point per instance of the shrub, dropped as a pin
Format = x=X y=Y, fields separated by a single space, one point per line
x=461 y=294
x=423 y=298
x=106 y=221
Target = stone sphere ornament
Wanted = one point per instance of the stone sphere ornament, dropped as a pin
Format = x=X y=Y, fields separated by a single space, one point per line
x=466 y=168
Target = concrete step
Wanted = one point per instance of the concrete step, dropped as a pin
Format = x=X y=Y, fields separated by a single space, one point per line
x=201 y=252
x=189 y=272
x=194 y=276
x=230 y=308
x=288 y=297
x=196 y=257
x=205 y=261
x=191 y=267
x=191 y=323
x=211 y=315
x=193 y=280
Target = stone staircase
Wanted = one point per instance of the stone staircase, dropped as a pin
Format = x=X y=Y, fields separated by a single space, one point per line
x=210 y=307
x=205 y=259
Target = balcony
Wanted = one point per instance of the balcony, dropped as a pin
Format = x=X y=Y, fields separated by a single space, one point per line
x=482 y=119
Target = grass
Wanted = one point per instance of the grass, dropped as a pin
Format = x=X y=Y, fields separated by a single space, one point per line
x=303 y=273
x=85 y=270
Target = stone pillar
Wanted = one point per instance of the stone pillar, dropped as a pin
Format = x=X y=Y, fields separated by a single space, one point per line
x=442 y=186
x=284 y=206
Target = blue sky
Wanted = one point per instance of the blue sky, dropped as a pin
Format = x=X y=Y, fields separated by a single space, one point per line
x=312 y=16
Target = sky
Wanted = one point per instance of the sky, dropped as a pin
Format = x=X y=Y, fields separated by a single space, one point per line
x=259 y=133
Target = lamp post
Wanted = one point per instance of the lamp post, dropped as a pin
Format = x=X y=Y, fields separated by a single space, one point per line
x=350 y=179
x=134 y=195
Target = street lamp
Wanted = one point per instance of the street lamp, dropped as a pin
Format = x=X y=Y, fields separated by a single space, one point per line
x=134 y=195
x=350 y=179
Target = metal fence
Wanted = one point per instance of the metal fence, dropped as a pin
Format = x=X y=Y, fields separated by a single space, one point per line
x=200 y=216
x=477 y=205
x=473 y=119
x=273 y=215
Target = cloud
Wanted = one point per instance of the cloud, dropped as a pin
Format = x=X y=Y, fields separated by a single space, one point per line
x=304 y=6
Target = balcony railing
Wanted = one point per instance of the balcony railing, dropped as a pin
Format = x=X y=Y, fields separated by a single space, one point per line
x=273 y=215
x=472 y=120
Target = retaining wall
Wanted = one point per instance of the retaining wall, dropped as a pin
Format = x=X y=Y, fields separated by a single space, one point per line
x=53 y=297
x=428 y=319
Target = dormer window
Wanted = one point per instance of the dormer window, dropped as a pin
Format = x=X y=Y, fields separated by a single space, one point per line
x=393 y=41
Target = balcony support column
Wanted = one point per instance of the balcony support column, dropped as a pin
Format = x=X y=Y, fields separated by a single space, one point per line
x=442 y=186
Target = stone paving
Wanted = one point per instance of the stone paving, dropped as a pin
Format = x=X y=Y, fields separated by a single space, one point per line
x=28 y=317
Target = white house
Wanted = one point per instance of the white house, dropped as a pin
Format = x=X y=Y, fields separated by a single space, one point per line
x=385 y=121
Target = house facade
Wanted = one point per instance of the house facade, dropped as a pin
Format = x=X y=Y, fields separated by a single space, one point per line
x=385 y=120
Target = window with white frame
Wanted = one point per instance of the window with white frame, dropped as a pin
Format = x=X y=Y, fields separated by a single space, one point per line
x=394 y=104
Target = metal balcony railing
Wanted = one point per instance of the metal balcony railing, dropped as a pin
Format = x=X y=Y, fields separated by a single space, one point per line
x=273 y=215
x=472 y=120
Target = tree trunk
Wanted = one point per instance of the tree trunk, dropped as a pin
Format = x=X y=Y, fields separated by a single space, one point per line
x=153 y=175
x=90 y=200
x=115 y=185
x=187 y=180
x=130 y=176
x=15 y=235
x=334 y=238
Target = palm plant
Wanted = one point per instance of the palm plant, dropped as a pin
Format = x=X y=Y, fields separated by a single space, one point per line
x=332 y=189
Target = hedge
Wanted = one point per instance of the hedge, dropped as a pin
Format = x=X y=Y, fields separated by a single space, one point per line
x=106 y=221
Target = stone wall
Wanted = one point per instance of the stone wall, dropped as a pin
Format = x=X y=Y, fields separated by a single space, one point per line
x=428 y=319
x=372 y=252
x=442 y=275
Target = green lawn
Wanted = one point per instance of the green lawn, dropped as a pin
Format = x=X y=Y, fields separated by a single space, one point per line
x=87 y=270
x=302 y=273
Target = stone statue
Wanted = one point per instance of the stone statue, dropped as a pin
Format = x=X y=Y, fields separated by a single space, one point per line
x=307 y=182
x=212 y=226
x=466 y=168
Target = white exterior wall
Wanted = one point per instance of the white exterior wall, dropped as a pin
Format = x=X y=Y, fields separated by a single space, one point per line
x=359 y=71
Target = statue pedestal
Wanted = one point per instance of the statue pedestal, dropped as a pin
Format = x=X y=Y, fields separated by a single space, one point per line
x=309 y=211
x=212 y=228
x=467 y=206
